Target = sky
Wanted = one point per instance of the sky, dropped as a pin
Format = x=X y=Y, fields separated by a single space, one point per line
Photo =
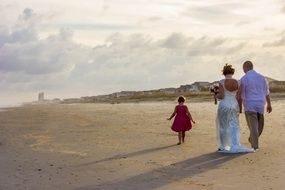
x=91 y=47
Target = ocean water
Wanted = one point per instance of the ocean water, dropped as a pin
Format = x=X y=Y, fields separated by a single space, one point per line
x=3 y=107
x=11 y=100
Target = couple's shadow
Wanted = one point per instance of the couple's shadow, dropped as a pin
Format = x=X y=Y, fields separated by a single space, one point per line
x=166 y=174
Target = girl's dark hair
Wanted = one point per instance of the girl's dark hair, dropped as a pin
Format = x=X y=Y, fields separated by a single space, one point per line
x=228 y=70
x=181 y=99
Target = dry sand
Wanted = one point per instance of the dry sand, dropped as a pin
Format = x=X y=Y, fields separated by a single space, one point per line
x=131 y=147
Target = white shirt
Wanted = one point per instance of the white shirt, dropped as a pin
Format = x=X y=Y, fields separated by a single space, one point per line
x=254 y=89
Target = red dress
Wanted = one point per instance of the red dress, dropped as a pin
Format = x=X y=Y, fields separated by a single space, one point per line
x=181 y=121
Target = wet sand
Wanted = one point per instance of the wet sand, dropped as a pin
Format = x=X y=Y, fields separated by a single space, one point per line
x=131 y=146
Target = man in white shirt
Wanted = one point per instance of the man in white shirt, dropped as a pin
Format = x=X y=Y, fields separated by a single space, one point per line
x=253 y=94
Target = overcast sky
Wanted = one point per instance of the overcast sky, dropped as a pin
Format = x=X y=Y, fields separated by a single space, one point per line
x=83 y=48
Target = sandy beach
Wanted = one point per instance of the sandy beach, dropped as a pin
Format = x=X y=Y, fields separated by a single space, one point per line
x=130 y=146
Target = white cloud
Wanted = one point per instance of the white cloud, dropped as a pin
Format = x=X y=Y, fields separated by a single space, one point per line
x=276 y=43
x=218 y=13
x=54 y=54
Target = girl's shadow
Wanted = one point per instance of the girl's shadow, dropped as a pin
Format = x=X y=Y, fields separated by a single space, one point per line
x=127 y=155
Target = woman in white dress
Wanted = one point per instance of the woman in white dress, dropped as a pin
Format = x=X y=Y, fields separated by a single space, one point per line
x=228 y=131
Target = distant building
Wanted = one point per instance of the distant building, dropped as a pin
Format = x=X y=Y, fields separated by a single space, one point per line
x=56 y=100
x=123 y=94
x=195 y=87
x=187 y=88
x=72 y=100
x=202 y=85
x=168 y=90
x=148 y=92
x=41 y=97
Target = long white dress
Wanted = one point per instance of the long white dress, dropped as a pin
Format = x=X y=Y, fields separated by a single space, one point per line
x=228 y=130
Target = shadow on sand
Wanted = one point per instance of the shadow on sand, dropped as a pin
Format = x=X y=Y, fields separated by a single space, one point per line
x=127 y=155
x=167 y=174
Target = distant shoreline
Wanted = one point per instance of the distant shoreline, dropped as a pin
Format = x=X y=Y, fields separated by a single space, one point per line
x=4 y=107
x=197 y=98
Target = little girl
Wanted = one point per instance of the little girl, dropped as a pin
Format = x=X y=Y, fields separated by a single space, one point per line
x=182 y=121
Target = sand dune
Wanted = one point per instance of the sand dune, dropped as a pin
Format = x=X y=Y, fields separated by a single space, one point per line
x=130 y=146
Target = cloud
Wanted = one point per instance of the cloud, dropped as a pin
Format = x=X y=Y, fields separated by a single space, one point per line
x=276 y=43
x=105 y=6
x=27 y=14
x=155 y=19
x=54 y=54
x=270 y=64
x=243 y=23
x=283 y=9
x=175 y=41
x=218 y=13
x=23 y=31
x=98 y=26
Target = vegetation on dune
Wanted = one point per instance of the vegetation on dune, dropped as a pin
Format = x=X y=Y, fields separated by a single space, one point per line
x=277 y=90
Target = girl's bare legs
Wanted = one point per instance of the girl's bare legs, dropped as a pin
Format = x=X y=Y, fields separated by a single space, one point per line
x=179 y=138
x=183 y=136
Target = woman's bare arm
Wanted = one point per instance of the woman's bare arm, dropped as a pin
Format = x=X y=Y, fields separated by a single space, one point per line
x=239 y=99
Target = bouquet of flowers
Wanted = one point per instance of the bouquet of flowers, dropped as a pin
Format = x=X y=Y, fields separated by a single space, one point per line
x=214 y=90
